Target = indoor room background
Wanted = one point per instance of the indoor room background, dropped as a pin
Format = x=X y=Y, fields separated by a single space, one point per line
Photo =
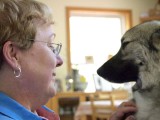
x=138 y=8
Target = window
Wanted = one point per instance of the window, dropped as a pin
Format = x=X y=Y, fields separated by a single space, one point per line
x=94 y=36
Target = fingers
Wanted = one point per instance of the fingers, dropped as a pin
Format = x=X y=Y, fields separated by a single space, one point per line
x=131 y=117
x=128 y=103
x=124 y=110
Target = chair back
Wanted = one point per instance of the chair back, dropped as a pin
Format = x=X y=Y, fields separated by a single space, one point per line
x=102 y=105
x=120 y=94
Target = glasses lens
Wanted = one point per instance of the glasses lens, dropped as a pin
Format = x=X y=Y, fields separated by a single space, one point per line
x=58 y=48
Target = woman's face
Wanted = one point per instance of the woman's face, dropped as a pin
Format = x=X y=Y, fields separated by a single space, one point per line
x=39 y=64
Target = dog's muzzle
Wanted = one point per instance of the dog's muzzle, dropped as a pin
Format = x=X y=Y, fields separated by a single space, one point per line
x=119 y=71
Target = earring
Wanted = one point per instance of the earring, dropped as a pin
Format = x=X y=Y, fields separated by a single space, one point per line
x=17 y=73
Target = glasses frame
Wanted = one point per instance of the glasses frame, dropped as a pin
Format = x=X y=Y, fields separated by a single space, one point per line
x=56 y=50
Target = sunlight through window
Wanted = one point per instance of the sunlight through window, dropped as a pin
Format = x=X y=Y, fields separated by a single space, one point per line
x=94 y=36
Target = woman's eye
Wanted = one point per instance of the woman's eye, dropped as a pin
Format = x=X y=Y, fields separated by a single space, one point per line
x=52 y=48
x=125 y=44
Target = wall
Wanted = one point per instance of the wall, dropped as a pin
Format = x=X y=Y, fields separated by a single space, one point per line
x=58 y=6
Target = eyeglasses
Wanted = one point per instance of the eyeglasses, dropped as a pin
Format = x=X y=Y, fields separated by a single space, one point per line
x=56 y=48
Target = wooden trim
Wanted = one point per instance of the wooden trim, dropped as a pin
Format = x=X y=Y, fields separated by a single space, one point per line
x=150 y=18
x=68 y=40
x=126 y=12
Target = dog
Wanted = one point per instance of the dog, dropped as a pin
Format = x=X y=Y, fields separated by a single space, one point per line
x=138 y=59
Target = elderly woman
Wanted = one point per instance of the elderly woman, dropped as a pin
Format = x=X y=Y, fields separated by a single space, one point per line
x=28 y=60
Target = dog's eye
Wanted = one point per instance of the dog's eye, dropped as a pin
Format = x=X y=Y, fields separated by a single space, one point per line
x=124 y=44
x=141 y=63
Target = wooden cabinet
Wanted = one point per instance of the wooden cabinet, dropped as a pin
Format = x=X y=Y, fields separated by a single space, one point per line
x=152 y=14
x=149 y=18
x=66 y=103
x=54 y=102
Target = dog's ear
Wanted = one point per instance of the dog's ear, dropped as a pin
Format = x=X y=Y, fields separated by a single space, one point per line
x=155 y=40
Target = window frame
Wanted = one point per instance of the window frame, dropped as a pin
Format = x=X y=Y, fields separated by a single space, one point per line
x=126 y=13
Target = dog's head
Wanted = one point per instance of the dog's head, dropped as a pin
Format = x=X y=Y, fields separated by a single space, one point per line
x=138 y=58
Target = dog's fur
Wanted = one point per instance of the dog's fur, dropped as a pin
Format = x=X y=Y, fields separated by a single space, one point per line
x=139 y=60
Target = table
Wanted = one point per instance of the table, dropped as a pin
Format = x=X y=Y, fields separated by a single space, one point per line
x=84 y=108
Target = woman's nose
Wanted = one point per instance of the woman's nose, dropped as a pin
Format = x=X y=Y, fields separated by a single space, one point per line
x=59 y=61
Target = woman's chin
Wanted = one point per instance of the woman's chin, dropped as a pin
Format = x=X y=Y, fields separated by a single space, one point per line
x=52 y=91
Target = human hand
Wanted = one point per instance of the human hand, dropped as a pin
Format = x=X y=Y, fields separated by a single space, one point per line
x=125 y=111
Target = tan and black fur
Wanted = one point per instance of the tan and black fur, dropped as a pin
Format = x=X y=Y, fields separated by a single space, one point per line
x=139 y=60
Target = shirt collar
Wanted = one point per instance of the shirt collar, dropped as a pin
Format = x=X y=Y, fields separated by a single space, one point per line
x=13 y=109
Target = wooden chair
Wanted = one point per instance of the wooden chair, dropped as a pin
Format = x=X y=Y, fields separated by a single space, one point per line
x=101 y=111
x=120 y=95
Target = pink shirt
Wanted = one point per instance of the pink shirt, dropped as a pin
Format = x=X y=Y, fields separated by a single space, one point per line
x=47 y=114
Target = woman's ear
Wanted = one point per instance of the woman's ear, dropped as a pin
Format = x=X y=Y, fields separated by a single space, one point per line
x=10 y=54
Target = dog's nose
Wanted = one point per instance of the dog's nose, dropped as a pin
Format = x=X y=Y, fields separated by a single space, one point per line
x=100 y=72
x=118 y=71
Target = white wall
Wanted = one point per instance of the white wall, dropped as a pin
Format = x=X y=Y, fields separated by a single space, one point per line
x=59 y=13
